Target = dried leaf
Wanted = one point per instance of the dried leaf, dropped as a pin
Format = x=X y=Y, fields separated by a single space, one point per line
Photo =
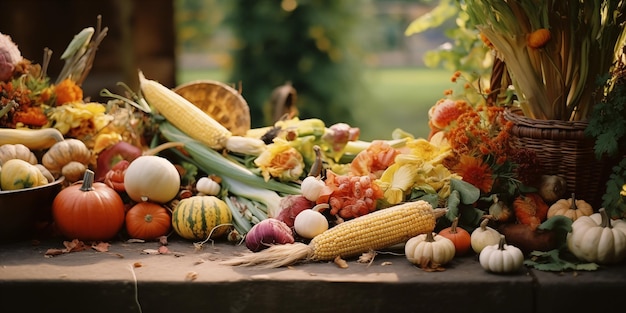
x=150 y=251
x=163 y=240
x=137 y=264
x=74 y=245
x=164 y=250
x=101 y=246
x=428 y=266
x=54 y=252
x=132 y=240
x=191 y=276
x=386 y=263
x=341 y=263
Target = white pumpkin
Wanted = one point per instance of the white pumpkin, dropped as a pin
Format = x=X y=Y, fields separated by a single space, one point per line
x=429 y=248
x=597 y=238
x=484 y=236
x=151 y=178
x=501 y=258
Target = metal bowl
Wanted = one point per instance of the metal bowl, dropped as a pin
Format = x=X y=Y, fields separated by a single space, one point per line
x=21 y=210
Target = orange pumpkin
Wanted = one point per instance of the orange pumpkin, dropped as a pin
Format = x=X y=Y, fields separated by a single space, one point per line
x=90 y=211
x=530 y=209
x=148 y=220
x=572 y=208
x=459 y=236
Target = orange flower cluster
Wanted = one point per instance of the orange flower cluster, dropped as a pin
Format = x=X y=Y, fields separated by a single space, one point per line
x=67 y=92
x=478 y=135
x=480 y=132
x=19 y=108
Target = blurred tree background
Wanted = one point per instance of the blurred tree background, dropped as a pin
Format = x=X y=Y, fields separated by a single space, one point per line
x=322 y=47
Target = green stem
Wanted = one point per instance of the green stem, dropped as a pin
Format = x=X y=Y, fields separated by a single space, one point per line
x=7 y=108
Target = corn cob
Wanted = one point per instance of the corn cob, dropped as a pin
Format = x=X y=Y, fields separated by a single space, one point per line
x=193 y=121
x=377 y=230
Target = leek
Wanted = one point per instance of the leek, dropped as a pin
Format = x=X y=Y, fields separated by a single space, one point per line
x=269 y=198
x=211 y=161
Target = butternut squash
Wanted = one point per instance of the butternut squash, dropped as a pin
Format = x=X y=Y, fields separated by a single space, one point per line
x=34 y=139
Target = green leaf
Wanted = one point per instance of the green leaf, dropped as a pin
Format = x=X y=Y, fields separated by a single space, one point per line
x=468 y=193
x=453 y=205
x=553 y=262
x=441 y=13
x=80 y=41
x=470 y=218
x=561 y=225
x=557 y=222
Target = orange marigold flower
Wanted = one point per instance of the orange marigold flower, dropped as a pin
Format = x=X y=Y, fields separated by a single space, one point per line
x=67 y=92
x=447 y=92
x=476 y=172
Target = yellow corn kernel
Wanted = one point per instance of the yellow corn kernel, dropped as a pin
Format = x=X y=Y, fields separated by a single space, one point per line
x=377 y=230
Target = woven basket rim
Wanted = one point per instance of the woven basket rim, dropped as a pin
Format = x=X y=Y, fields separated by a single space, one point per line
x=211 y=82
x=231 y=108
x=514 y=115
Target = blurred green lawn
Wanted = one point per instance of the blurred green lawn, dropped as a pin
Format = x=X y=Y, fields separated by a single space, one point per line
x=400 y=98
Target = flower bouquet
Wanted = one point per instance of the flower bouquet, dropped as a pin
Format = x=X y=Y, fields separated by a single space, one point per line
x=554 y=52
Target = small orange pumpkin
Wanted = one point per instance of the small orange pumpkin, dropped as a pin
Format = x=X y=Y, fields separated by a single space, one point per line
x=572 y=208
x=148 y=220
x=459 y=236
x=530 y=209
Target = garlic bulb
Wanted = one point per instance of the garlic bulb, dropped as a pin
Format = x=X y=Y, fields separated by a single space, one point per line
x=312 y=187
x=208 y=186
x=310 y=223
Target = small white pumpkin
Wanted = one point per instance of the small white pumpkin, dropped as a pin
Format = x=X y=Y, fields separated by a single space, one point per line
x=310 y=222
x=429 y=249
x=501 y=258
x=597 y=238
x=484 y=236
x=151 y=178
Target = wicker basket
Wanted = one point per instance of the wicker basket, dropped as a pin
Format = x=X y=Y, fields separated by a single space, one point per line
x=564 y=150
x=220 y=101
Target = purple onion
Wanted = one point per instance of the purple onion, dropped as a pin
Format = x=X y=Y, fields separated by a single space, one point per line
x=268 y=232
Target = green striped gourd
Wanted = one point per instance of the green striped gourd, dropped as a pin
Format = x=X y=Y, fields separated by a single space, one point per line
x=198 y=217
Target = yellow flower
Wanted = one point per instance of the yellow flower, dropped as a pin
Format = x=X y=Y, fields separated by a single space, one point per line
x=72 y=115
x=427 y=151
x=103 y=141
x=398 y=179
x=280 y=160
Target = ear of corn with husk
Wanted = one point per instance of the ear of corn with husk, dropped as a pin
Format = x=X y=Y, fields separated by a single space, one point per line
x=194 y=122
x=373 y=231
